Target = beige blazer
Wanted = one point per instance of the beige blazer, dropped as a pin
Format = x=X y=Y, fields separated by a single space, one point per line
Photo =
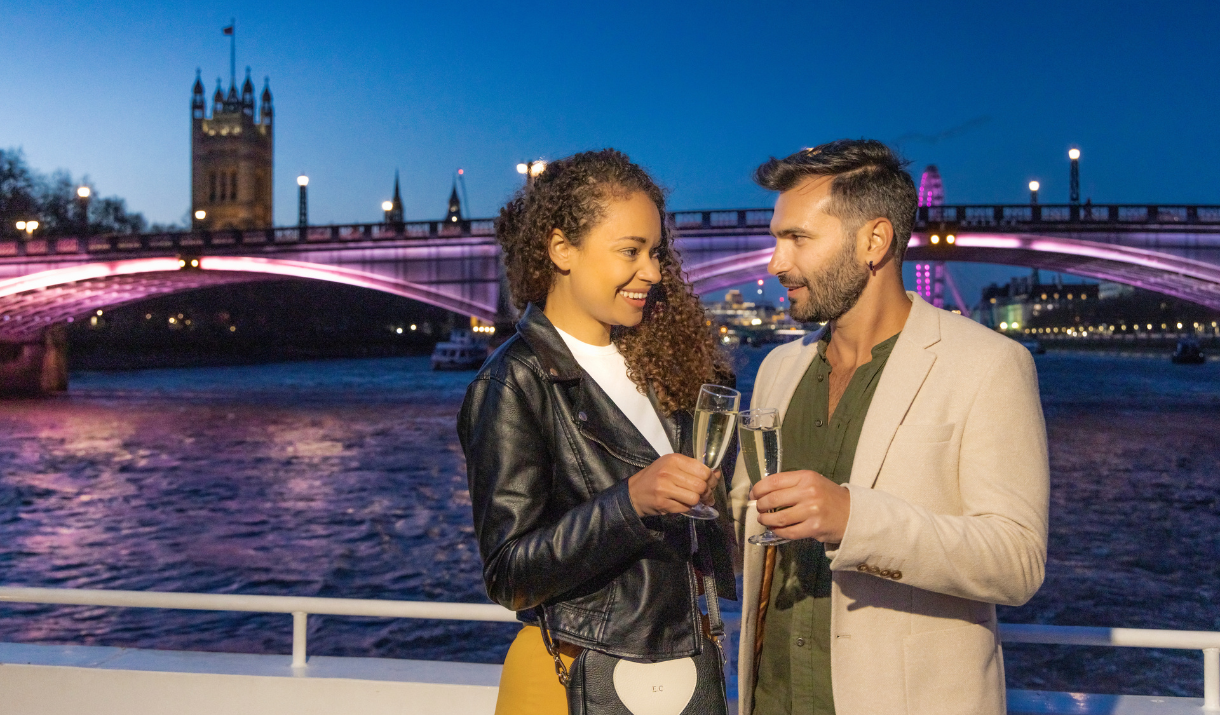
x=948 y=518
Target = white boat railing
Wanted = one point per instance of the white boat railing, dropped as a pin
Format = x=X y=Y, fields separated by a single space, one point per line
x=302 y=606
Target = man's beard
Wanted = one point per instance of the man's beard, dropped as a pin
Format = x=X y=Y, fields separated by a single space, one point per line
x=832 y=292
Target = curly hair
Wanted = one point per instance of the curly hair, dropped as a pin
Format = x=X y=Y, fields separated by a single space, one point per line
x=672 y=349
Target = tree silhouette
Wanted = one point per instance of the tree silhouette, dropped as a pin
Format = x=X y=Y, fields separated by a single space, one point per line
x=26 y=194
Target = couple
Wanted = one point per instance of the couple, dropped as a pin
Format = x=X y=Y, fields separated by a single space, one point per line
x=914 y=453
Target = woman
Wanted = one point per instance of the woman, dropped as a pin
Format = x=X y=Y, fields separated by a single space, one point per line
x=576 y=432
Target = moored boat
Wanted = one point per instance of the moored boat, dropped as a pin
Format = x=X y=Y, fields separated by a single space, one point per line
x=462 y=351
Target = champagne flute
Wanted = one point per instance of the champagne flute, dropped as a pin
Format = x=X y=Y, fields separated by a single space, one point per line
x=715 y=416
x=762 y=453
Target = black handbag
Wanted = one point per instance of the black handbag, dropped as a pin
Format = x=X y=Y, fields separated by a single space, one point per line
x=602 y=684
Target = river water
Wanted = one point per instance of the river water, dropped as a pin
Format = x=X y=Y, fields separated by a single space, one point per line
x=344 y=478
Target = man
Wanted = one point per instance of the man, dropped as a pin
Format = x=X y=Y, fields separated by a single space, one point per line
x=916 y=475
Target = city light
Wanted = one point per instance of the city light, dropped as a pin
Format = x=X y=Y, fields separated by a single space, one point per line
x=21 y=225
x=413 y=326
x=1073 y=154
x=398 y=330
x=935 y=239
x=950 y=239
x=522 y=168
x=201 y=215
x=1034 y=186
x=1004 y=326
x=387 y=205
x=84 y=192
x=302 y=180
x=537 y=168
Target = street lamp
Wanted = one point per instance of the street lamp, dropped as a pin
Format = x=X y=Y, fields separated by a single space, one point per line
x=303 y=201
x=531 y=170
x=201 y=215
x=28 y=226
x=82 y=195
x=1033 y=191
x=387 y=207
x=1074 y=156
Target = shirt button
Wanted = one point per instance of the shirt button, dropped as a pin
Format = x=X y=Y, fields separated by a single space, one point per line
x=821 y=377
x=817 y=423
x=800 y=642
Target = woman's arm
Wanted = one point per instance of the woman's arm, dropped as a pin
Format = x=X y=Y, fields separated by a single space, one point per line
x=529 y=558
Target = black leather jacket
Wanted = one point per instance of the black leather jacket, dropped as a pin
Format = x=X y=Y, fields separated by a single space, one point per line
x=548 y=455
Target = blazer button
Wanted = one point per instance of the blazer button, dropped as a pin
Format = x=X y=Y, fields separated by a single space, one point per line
x=554 y=372
x=874 y=570
x=817 y=423
x=862 y=568
x=800 y=642
x=897 y=575
x=582 y=417
x=885 y=573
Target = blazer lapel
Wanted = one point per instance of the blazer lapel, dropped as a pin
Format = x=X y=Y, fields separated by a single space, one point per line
x=788 y=375
x=904 y=374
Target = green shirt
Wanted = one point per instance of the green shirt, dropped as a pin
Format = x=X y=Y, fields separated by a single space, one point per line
x=794 y=670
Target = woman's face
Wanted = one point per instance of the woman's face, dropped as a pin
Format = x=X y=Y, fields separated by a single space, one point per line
x=610 y=274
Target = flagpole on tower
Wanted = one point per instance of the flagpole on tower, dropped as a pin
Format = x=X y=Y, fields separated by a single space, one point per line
x=231 y=31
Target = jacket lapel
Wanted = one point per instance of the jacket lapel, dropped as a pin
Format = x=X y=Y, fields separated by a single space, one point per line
x=778 y=392
x=904 y=374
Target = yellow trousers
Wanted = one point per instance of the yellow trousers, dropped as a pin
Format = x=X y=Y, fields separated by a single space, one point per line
x=528 y=684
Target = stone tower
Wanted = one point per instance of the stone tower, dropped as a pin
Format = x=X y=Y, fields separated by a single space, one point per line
x=231 y=158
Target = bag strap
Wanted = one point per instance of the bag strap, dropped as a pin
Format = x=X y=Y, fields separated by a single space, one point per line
x=561 y=670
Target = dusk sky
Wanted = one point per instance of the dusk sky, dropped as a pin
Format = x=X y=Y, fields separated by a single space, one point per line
x=700 y=93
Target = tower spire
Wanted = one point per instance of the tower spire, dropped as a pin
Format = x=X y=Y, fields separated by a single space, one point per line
x=455 y=206
x=394 y=215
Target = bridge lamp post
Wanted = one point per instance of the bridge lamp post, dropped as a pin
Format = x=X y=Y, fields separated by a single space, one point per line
x=1033 y=192
x=303 y=201
x=1074 y=179
x=82 y=196
x=531 y=169
x=28 y=226
x=386 y=208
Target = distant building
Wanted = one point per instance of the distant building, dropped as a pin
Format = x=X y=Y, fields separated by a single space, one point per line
x=1024 y=301
x=455 y=206
x=395 y=215
x=231 y=158
x=1027 y=306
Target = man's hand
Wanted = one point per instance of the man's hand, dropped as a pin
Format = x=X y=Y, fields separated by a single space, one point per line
x=812 y=506
x=671 y=485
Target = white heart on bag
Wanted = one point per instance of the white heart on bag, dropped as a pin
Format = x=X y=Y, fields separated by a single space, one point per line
x=656 y=688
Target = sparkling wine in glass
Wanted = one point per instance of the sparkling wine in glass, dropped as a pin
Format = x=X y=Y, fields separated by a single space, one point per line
x=715 y=417
x=762 y=453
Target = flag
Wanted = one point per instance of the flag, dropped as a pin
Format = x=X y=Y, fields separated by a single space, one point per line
x=228 y=30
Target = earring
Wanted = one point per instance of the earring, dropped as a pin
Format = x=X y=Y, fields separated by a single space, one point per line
x=871 y=268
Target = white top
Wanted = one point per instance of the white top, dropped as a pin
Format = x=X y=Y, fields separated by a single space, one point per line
x=605 y=364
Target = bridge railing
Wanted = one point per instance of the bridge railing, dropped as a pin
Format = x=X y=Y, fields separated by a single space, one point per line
x=300 y=607
x=1089 y=216
x=1014 y=217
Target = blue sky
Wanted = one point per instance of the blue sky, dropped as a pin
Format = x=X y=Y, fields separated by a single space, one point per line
x=994 y=94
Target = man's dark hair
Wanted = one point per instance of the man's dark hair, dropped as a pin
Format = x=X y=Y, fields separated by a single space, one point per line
x=870 y=181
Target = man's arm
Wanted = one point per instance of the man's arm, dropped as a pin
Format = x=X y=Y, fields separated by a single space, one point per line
x=996 y=550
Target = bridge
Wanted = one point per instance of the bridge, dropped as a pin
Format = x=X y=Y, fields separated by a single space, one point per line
x=1171 y=249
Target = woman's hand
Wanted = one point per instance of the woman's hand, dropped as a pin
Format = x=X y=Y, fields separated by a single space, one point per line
x=671 y=485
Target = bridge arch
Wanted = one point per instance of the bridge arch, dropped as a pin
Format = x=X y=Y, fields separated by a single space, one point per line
x=1184 y=278
x=30 y=303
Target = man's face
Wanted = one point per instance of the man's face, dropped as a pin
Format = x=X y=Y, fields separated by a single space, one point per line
x=814 y=258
